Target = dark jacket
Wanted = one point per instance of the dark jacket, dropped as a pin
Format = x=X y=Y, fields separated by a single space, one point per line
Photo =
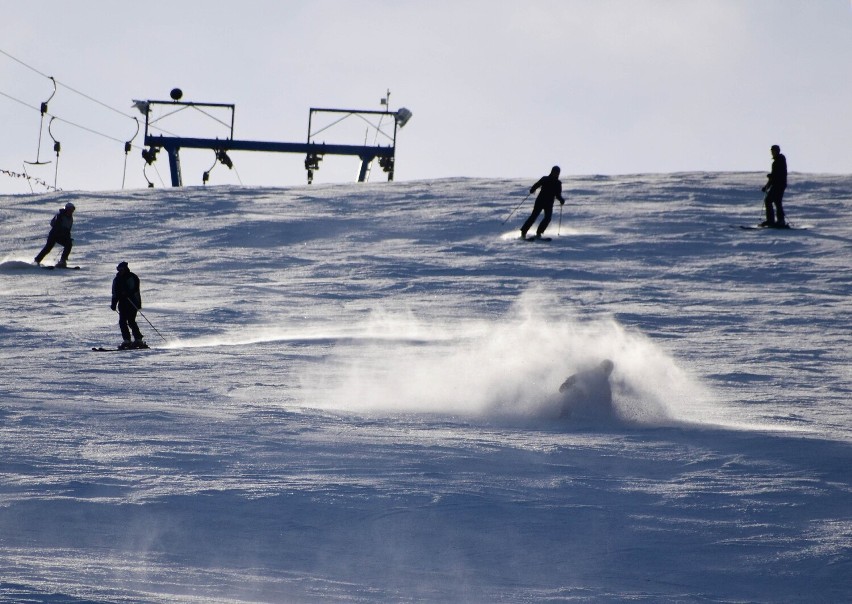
x=778 y=177
x=551 y=188
x=125 y=289
x=60 y=225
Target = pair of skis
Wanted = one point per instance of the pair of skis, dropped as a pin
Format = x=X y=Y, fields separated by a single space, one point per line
x=119 y=349
x=758 y=227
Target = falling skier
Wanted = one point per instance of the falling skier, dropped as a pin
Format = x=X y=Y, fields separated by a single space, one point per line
x=588 y=394
x=60 y=232
x=774 y=189
x=128 y=299
x=551 y=189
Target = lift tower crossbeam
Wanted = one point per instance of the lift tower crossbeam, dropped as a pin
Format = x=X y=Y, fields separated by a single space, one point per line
x=313 y=151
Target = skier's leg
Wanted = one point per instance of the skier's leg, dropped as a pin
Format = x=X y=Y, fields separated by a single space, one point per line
x=122 y=324
x=531 y=220
x=548 y=212
x=779 y=209
x=46 y=249
x=770 y=213
x=134 y=327
x=66 y=250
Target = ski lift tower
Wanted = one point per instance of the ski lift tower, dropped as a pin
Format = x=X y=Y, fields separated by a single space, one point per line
x=312 y=150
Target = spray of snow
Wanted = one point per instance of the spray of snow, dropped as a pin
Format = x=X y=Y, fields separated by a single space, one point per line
x=381 y=327
x=508 y=366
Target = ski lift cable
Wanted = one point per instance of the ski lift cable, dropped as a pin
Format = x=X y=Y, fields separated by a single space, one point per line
x=30 y=67
x=96 y=101
x=87 y=129
x=74 y=90
x=43 y=109
x=61 y=119
x=24 y=103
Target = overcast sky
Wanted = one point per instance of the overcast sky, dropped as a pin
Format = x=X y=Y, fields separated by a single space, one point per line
x=497 y=88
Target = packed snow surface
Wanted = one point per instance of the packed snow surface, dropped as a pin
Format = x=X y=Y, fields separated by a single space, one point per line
x=349 y=395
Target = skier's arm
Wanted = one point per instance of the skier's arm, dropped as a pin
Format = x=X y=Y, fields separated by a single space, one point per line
x=774 y=176
x=536 y=185
x=568 y=383
x=138 y=294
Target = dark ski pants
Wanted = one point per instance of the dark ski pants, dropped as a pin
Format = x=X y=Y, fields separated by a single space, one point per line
x=65 y=242
x=774 y=209
x=539 y=207
x=127 y=322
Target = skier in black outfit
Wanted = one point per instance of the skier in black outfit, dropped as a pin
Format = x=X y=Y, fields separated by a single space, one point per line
x=128 y=299
x=60 y=232
x=774 y=189
x=551 y=189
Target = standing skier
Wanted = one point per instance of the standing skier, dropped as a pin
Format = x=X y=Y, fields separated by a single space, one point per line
x=128 y=299
x=551 y=189
x=774 y=189
x=60 y=232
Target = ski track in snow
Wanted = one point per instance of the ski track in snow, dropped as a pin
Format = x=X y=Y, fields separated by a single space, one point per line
x=354 y=401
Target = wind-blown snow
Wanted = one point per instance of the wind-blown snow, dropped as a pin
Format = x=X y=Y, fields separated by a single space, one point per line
x=352 y=398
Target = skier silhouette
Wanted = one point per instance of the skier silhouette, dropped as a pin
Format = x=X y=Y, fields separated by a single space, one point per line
x=60 y=232
x=127 y=299
x=774 y=189
x=551 y=189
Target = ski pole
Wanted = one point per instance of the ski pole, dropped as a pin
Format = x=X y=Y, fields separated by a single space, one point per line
x=559 y=229
x=516 y=208
x=139 y=310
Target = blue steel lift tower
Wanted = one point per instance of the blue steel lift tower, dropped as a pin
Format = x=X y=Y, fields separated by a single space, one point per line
x=313 y=152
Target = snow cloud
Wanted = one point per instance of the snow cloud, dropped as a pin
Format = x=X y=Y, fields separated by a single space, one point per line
x=505 y=366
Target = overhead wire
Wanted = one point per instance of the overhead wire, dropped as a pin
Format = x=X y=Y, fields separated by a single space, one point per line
x=96 y=101
x=60 y=83
x=127 y=144
x=102 y=104
x=61 y=119
x=74 y=90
